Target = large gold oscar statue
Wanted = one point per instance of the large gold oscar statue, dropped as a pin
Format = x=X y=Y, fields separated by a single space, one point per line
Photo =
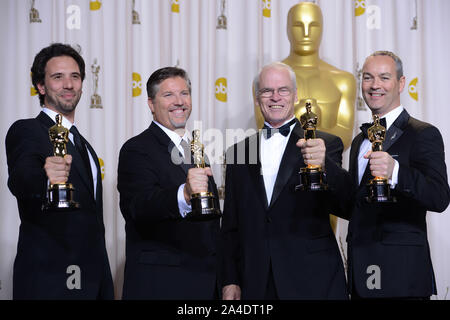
x=333 y=89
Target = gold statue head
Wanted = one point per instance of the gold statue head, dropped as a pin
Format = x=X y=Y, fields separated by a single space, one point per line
x=197 y=150
x=304 y=28
x=308 y=120
x=59 y=136
x=376 y=134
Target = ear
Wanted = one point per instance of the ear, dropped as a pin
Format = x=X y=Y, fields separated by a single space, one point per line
x=41 y=88
x=295 y=96
x=401 y=83
x=150 y=105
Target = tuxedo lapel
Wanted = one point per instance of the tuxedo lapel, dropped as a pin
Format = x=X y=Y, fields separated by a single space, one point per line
x=45 y=120
x=98 y=190
x=396 y=130
x=164 y=140
x=255 y=169
x=392 y=135
x=289 y=162
x=366 y=176
x=183 y=166
x=354 y=152
x=78 y=164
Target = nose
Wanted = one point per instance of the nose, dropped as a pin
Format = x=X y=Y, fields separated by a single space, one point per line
x=275 y=96
x=307 y=29
x=375 y=83
x=178 y=100
x=67 y=83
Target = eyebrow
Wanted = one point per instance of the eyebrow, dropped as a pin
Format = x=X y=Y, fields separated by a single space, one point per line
x=60 y=73
x=170 y=91
x=282 y=87
x=381 y=74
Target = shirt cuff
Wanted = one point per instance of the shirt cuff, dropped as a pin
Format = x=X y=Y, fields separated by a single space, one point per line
x=182 y=204
x=394 y=180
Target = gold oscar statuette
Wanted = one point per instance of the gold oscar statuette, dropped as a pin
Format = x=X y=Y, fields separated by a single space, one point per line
x=378 y=188
x=135 y=14
x=34 y=14
x=221 y=189
x=222 y=19
x=96 y=99
x=205 y=206
x=60 y=195
x=311 y=176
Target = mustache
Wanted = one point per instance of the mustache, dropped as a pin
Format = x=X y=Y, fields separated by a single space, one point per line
x=67 y=92
x=183 y=107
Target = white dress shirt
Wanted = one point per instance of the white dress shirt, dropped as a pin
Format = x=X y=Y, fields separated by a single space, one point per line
x=271 y=153
x=67 y=124
x=366 y=146
x=183 y=206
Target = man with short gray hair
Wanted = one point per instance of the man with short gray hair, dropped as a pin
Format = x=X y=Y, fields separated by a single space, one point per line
x=277 y=243
x=388 y=250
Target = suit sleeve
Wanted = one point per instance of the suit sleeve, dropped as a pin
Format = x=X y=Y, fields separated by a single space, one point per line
x=338 y=179
x=424 y=176
x=25 y=157
x=230 y=247
x=142 y=198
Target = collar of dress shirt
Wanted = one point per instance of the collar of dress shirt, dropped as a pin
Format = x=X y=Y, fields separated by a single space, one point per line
x=391 y=116
x=175 y=137
x=52 y=114
x=280 y=126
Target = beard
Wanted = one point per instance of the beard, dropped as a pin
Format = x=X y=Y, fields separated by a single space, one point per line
x=61 y=106
x=179 y=125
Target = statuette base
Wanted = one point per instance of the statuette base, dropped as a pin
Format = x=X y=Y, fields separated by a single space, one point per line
x=204 y=207
x=379 y=191
x=60 y=198
x=311 y=179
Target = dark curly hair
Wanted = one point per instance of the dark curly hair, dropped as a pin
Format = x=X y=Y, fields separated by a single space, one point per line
x=41 y=59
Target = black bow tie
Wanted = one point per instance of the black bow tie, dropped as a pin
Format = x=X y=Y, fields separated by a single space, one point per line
x=284 y=129
x=365 y=126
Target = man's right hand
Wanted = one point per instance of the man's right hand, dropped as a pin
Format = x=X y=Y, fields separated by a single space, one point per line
x=231 y=292
x=58 y=168
x=196 y=182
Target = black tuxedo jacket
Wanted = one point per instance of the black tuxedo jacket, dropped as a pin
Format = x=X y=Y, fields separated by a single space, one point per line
x=393 y=236
x=50 y=242
x=292 y=233
x=167 y=257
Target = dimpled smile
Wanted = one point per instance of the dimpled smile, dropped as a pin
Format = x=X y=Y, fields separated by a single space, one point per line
x=179 y=112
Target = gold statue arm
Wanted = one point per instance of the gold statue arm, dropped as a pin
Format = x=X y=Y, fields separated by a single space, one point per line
x=346 y=113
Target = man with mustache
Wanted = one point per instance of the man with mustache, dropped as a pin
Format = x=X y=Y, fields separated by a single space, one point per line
x=60 y=255
x=167 y=256
x=388 y=250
